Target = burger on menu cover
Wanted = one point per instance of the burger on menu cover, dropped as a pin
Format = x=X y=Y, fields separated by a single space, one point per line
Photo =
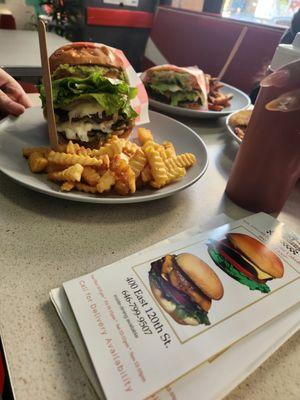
x=246 y=260
x=184 y=286
x=91 y=94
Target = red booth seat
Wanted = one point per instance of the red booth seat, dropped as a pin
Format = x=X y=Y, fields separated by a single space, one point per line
x=189 y=38
x=7 y=21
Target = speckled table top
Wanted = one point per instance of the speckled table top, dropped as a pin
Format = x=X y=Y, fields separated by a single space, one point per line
x=46 y=241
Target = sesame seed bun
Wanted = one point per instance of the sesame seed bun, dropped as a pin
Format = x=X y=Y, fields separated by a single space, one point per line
x=85 y=53
x=257 y=253
x=201 y=275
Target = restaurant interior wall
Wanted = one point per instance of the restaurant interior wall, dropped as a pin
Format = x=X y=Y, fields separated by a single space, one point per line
x=117 y=25
x=22 y=11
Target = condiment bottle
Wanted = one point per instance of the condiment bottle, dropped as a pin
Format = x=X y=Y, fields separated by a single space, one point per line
x=267 y=165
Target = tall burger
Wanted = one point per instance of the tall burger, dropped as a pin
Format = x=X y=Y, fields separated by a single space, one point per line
x=184 y=286
x=91 y=94
x=246 y=260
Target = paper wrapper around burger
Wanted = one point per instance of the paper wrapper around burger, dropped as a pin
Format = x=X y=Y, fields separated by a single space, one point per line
x=140 y=102
x=197 y=75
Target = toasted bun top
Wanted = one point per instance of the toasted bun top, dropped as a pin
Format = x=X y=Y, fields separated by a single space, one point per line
x=201 y=274
x=85 y=53
x=257 y=253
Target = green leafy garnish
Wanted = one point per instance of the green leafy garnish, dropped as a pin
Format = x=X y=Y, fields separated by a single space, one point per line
x=113 y=95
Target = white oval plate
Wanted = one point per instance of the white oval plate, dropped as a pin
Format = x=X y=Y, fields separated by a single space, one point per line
x=239 y=101
x=30 y=130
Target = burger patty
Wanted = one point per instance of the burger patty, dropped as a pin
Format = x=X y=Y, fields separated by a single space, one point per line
x=183 y=283
x=172 y=272
x=93 y=128
x=119 y=125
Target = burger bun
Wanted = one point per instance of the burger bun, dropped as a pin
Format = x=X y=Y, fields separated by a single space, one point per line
x=201 y=275
x=257 y=253
x=85 y=53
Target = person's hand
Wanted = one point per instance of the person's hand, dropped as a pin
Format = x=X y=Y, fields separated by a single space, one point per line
x=13 y=99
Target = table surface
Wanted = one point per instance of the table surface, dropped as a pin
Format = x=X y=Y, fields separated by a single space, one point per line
x=19 y=50
x=46 y=241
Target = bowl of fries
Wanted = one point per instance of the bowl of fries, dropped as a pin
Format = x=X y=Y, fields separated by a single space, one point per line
x=160 y=159
x=237 y=123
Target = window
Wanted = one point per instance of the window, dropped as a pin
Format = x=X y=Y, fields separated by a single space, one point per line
x=271 y=12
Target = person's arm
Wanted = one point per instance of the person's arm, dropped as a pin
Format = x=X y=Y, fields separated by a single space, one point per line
x=13 y=99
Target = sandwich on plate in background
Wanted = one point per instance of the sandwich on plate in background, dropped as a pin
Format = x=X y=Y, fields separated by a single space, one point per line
x=185 y=87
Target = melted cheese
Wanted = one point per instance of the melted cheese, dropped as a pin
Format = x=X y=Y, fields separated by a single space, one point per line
x=85 y=109
x=260 y=274
x=80 y=129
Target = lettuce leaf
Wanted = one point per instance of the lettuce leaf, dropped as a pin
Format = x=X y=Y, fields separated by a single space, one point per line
x=112 y=95
x=234 y=273
x=171 y=77
x=175 y=93
x=184 y=96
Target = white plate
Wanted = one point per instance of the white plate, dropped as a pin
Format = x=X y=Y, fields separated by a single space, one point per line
x=230 y=127
x=239 y=101
x=30 y=130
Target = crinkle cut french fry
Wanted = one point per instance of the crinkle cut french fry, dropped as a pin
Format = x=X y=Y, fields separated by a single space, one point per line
x=162 y=152
x=90 y=176
x=146 y=174
x=72 y=147
x=137 y=162
x=144 y=135
x=184 y=160
x=51 y=167
x=85 y=188
x=37 y=162
x=29 y=150
x=106 y=181
x=123 y=172
x=170 y=149
x=175 y=174
x=121 y=188
x=67 y=186
x=71 y=159
x=157 y=166
x=130 y=148
x=72 y=174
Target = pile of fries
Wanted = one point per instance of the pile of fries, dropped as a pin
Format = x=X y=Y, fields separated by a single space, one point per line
x=120 y=165
x=217 y=100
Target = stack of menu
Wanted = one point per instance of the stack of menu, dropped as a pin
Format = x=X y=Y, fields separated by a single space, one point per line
x=167 y=320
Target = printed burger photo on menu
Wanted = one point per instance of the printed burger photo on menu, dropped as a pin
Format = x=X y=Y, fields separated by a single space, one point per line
x=246 y=260
x=91 y=94
x=184 y=286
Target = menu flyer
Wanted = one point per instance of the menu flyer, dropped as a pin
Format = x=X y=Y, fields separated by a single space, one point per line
x=147 y=325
